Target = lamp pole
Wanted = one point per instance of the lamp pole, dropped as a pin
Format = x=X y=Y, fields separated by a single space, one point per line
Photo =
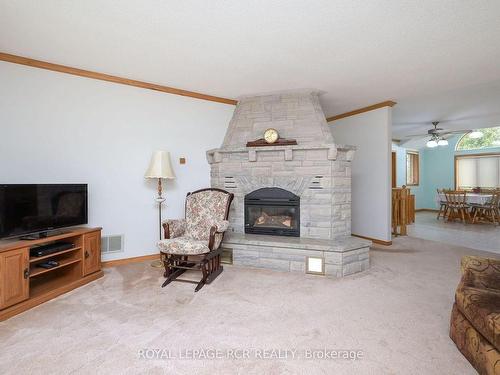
x=160 y=167
x=160 y=199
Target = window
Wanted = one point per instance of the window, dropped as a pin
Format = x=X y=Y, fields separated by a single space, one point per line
x=489 y=137
x=477 y=171
x=412 y=171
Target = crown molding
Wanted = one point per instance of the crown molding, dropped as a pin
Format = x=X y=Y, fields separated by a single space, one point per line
x=110 y=78
x=387 y=103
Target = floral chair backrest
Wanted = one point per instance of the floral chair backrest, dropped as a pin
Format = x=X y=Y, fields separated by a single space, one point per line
x=203 y=210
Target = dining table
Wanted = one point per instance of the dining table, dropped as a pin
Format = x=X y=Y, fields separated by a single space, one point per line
x=470 y=198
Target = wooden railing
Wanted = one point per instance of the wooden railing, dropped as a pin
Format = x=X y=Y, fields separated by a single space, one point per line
x=403 y=210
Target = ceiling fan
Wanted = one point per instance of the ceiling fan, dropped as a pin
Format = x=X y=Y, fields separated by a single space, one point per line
x=439 y=136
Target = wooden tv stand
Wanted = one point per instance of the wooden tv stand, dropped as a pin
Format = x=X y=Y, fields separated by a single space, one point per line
x=23 y=285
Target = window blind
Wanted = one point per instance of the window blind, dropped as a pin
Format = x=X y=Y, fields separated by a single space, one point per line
x=478 y=171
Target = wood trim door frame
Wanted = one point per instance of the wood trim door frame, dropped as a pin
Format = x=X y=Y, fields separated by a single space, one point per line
x=415 y=166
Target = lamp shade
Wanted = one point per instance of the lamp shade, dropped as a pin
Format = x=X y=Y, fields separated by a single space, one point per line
x=160 y=166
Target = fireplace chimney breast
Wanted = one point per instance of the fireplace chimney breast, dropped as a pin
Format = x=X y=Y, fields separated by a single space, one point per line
x=316 y=169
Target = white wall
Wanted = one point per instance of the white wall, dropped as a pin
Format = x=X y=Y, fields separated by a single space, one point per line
x=58 y=128
x=371 y=170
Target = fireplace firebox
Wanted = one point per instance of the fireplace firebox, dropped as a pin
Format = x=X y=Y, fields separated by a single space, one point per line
x=272 y=211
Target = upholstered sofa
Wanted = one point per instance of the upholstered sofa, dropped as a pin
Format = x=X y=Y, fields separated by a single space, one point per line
x=475 y=317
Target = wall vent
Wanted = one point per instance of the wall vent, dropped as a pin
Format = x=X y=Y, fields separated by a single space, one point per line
x=112 y=244
x=230 y=182
x=316 y=183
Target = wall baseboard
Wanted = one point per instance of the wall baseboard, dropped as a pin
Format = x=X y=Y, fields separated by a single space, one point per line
x=374 y=240
x=121 y=262
x=426 y=210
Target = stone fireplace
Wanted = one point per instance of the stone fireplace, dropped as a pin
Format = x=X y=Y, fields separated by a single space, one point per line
x=293 y=201
x=272 y=211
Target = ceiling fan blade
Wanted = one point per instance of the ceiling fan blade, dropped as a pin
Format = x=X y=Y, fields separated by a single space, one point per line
x=455 y=132
x=417 y=135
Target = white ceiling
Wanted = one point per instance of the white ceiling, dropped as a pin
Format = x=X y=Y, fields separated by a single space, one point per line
x=359 y=52
x=472 y=107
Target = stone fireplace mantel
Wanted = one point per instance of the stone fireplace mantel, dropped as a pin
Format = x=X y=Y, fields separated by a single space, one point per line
x=215 y=155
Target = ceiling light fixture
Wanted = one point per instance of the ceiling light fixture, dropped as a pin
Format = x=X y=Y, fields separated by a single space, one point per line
x=442 y=142
x=432 y=143
x=475 y=134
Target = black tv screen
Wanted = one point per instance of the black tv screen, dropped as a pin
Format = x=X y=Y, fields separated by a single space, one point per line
x=33 y=208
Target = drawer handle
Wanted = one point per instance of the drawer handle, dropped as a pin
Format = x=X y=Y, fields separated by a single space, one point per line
x=86 y=254
x=26 y=273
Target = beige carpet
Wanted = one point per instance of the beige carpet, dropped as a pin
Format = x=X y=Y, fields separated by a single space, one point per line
x=396 y=313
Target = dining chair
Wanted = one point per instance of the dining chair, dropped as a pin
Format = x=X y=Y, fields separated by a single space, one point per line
x=475 y=206
x=489 y=211
x=457 y=205
x=443 y=205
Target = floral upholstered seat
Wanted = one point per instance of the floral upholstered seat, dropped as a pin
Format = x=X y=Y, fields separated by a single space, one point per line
x=183 y=246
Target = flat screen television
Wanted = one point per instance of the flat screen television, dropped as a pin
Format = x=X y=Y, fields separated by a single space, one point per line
x=39 y=208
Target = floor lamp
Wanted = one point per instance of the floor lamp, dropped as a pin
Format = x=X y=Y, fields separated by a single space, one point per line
x=160 y=167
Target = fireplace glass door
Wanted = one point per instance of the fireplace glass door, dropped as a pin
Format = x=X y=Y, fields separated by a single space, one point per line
x=272 y=211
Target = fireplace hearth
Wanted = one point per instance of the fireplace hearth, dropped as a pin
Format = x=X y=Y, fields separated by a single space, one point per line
x=272 y=211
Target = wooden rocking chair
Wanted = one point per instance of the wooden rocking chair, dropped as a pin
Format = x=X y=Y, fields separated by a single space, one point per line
x=193 y=243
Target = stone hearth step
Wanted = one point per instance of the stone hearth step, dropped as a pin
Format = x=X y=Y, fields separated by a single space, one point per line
x=342 y=256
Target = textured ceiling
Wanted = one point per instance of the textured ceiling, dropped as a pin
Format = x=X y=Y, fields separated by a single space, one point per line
x=471 y=107
x=359 y=52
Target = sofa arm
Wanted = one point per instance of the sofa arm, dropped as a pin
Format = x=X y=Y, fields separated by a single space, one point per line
x=479 y=272
x=174 y=228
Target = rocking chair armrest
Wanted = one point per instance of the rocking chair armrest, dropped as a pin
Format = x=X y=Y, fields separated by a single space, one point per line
x=174 y=228
x=218 y=228
x=221 y=226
